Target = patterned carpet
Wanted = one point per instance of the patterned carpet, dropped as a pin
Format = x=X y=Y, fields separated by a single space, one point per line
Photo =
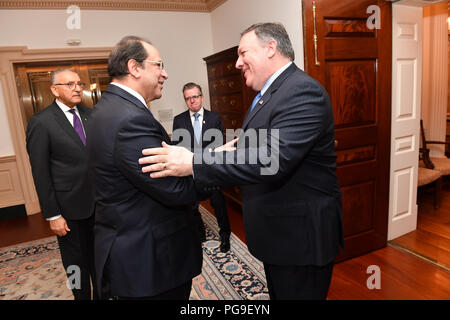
x=33 y=271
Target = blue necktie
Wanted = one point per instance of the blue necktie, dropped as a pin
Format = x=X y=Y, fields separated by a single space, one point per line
x=255 y=101
x=197 y=129
x=77 y=126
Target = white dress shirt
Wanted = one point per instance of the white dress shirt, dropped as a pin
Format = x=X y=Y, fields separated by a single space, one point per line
x=200 y=118
x=69 y=115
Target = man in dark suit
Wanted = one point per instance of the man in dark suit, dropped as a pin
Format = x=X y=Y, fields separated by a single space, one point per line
x=146 y=242
x=291 y=204
x=202 y=120
x=56 y=146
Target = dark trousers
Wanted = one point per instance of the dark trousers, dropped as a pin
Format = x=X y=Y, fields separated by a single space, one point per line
x=298 y=282
x=179 y=293
x=219 y=205
x=77 y=254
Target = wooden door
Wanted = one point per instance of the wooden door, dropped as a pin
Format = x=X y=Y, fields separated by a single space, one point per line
x=33 y=83
x=353 y=62
x=406 y=104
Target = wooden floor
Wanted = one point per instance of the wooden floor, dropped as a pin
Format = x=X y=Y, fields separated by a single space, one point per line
x=415 y=266
x=431 y=240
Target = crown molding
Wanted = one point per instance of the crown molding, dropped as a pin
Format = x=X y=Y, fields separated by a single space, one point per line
x=133 y=5
x=214 y=4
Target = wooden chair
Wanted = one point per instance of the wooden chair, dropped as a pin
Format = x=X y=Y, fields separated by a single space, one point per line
x=431 y=169
x=434 y=177
x=435 y=163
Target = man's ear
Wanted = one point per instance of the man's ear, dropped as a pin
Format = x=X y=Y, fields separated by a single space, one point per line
x=134 y=68
x=54 y=91
x=271 y=48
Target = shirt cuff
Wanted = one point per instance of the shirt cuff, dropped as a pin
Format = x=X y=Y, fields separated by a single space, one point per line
x=53 y=218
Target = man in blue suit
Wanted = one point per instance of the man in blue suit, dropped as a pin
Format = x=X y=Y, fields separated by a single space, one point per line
x=202 y=120
x=292 y=204
x=146 y=242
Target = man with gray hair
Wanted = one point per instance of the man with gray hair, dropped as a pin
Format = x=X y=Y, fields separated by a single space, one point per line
x=293 y=217
x=56 y=140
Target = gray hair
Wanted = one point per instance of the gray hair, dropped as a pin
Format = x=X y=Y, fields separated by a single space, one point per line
x=273 y=31
x=58 y=71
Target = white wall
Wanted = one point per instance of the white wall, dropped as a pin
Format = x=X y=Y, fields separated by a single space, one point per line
x=182 y=38
x=234 y=16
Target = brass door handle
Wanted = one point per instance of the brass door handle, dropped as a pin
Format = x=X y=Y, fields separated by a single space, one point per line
x=336 y=143
x=316 y=39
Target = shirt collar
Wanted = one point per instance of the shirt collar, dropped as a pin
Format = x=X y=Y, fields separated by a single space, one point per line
x=201 y=111
x=273 y=78
x=63 y=107
x=131 y=91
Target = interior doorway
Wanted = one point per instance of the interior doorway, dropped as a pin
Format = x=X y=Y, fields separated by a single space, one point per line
x=33 y=83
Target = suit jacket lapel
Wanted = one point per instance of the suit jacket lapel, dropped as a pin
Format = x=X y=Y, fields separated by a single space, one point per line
x=187 y=124
x=113 y=89
x=62 y=121
x=187 y=120
x=205 y=124
x=268 y=94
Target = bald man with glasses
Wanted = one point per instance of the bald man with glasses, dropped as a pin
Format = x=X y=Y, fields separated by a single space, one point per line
x=56 y=140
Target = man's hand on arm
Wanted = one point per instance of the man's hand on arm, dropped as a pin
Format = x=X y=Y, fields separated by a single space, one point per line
x=167 y=161
x=229 y=146
x=173 y=161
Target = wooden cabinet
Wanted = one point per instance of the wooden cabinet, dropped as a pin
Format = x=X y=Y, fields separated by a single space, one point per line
x=229 y=96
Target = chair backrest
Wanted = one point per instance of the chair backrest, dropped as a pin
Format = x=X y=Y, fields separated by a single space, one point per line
x=424 y=152
x=422 y=134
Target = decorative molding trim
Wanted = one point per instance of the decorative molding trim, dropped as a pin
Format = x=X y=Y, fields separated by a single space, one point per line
x=135 y=5
x=214 y=4
x=7 y=159
x=10 y=191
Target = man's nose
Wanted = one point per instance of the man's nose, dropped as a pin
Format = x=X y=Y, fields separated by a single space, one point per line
x=164 y=74
x=239 y=63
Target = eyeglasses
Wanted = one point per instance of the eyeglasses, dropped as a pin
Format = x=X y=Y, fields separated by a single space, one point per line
x=192 y=97
x=160 y=63
x=71 y=85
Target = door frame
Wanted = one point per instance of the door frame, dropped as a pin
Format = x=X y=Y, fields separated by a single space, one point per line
x=9 y=56
x=431 y=75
